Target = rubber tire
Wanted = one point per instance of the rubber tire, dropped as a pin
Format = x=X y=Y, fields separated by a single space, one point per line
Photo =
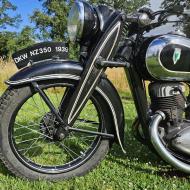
x=8 y=104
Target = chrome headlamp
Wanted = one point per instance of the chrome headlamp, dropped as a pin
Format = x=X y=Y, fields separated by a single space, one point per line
x=82 y=21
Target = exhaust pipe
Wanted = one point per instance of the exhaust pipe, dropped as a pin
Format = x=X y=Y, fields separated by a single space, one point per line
x=160 y=148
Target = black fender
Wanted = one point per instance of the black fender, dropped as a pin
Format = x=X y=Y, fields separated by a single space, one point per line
x=106 y=89
x=45 y=71
x=73 y=70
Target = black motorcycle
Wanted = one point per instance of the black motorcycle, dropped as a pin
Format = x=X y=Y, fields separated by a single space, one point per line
x=59 y=118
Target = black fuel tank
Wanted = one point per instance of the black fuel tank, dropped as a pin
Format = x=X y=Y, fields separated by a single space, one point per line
x=168 y=58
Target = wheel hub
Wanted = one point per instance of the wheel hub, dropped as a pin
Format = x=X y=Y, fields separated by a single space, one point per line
x=52 y=128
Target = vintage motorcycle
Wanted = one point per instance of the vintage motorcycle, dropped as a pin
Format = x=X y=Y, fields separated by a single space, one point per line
x=59 y=118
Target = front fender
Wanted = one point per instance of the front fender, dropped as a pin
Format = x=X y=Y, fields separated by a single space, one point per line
x=73 y=70
x=45 y=71
x=111 y=96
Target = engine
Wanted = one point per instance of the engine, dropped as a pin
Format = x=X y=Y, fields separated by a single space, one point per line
x=170 y=99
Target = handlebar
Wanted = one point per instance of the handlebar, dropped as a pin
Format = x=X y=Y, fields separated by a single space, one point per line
x=145 y=16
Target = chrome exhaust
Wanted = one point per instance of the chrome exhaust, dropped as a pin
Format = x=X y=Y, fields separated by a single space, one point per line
x=162 y=151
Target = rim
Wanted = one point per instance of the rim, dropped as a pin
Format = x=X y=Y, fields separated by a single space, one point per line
x=31 y=134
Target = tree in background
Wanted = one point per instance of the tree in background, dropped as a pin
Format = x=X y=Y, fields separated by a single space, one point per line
x=50 y=23
x=186 y=26
x=7 y=39
x=184 y=21
x=126 y=6
x=52 y=20
x=7 y=43
x=5 y=19
x=11 y=42
x=25 y=38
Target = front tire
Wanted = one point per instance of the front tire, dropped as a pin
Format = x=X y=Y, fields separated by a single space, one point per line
x=32 y=165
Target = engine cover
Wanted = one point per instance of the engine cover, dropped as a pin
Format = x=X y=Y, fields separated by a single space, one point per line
x=167 y=58
x=181 y=141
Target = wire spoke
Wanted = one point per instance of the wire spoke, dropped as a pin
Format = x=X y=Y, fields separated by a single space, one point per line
x=68 y=149
x=34 y=106
x=39 y=110
x=83 y=138
x=26 y=111
x=24 y=126
x=30 y=147
x=34 y=131
x=28 y=140
x=35 y=127
x=17 y=136
x=20 y=150
x=42 y=147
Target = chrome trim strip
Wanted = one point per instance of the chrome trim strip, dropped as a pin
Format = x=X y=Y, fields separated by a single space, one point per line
x=153 y=62
x=44 y=60
x=54 y=76
x=114 y=116
x=116 y=27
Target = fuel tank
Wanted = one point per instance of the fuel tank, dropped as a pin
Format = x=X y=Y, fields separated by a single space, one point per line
x=168 y=58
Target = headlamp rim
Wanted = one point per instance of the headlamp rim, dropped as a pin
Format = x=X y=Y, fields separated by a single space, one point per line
x=80 y=6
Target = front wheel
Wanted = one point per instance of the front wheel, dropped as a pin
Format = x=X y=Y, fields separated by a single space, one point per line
x=27 y=146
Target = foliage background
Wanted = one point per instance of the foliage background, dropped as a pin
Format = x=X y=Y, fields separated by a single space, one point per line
x=50 y=23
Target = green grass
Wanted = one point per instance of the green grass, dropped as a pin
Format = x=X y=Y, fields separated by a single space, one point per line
x=138 y=169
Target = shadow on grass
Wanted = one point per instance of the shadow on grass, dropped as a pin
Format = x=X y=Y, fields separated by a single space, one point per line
x=173 y=173
x=139 y=155
x=4 y=171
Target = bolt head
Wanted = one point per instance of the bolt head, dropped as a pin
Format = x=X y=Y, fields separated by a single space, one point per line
x=61 y=136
